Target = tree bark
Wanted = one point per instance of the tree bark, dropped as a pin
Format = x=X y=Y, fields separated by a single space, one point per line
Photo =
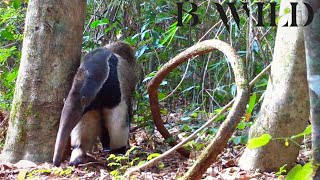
x=50 y=56
x=284 y=111
x=312 y=41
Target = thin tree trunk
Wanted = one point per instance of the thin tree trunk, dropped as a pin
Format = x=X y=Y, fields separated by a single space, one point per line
x=285 y=109
x=50 y=55
x=312 y=41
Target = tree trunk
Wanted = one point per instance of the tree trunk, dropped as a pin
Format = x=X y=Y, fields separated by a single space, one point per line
x=50 y=56
x=312 y=41
x=285 y=109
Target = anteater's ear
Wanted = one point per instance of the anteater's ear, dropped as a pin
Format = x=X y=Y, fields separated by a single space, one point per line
x=64 y=100
x=83 y=101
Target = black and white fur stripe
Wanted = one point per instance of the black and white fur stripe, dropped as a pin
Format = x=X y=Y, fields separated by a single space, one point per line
x=108 y=114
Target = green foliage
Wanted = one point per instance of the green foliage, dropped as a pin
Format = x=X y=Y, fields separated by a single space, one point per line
x=259 y=141
x=245 y=123
x=281 y=170
x=192 y=145
x=300 y=172
x=252 y=103
x=153 y=155
x=97 y=23
x=118 y=164
x=36 y=173
x=11 y=35
x=307 y=131
x=265 y=138
x=243 y=139
x=207 y=83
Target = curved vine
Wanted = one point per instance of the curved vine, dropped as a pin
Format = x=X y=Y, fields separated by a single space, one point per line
x=203 y=47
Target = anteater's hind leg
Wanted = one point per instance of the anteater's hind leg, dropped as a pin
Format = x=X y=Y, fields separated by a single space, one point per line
x=117 y=122
x=104 y=137
x=84 y=136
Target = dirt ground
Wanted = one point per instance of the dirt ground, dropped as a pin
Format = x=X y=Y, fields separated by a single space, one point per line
x=172 y=167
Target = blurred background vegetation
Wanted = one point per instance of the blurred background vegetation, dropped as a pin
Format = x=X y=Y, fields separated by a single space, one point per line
x=200 y=87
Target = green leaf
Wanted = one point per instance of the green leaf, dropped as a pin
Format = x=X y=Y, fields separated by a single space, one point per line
x=11 y=77
x=38 y=171
x=114 y=164
x=97 y=23
x=6 y=53
x=145 y=34
x=281 y=170
x=194 y=115
x=189 y=145
x=241 y=125
x=134 y=160
x=169 y=35
x=141 y=162
x=161 y=95
x=307 y=131
x=293 y=172
x=153 y=155
x=277 y=19
x=199 y=146
x=185 y=128
x=17 y=3
x=161 y=166
x=22 y=174
x=7 y=35
x=110 y=28
x=130 y=150
x=287 y=10
x=163 y=111
x=298 y=172
x=306 y=171
x=114 y=173
x=111 y=157
x=252 y=102
x=259 y=141
x=237 y=140
x=221 y=117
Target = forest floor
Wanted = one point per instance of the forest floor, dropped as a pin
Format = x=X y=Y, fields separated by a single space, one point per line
x=171 y=167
